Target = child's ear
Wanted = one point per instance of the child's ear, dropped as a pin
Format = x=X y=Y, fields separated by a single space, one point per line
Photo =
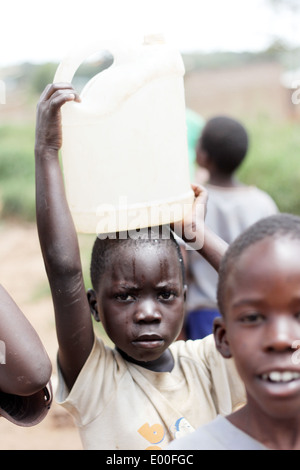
x=201 y=157
x=92 y=299
x=220 y=335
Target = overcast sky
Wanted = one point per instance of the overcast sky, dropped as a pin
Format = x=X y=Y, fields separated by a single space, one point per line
x=40 y=31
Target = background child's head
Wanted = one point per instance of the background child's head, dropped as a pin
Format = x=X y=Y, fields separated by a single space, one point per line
x=259 y=299
x=223 y=145
x=139 y=292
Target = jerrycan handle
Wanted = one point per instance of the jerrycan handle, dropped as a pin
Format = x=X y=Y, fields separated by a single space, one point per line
x=67 y=68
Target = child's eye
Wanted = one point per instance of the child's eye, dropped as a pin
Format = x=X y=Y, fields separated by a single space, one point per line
x=166 y=295
x=298 y=316
x=251 y=318
x=124 y=297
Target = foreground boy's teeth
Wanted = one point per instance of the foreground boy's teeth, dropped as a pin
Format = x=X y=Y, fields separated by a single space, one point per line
x=277 y=376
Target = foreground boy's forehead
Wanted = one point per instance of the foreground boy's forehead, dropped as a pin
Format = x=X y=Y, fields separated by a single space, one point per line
x=282 y=254
x=279 y=249
x=144 y=257
x=133 y=247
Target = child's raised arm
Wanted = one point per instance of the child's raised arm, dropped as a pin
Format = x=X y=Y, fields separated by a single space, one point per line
x=58 y=237
x=25 y=367
x=213 y=248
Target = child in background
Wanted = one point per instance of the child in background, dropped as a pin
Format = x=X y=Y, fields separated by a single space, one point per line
x=259 y=299
x=25 y=367
x=231 y=208
x=137 y=395
x=194 y=126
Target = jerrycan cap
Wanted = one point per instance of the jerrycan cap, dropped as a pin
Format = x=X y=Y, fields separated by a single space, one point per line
x=151 y=39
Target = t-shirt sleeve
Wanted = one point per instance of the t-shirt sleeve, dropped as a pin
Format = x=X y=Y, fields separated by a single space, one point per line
x=94 y=386
x=226 y=386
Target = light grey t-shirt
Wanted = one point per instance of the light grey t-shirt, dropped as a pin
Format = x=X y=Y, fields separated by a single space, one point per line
x=219 y=434
x=229 y=212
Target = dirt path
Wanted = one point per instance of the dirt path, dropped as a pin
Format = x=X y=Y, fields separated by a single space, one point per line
x=22 y=274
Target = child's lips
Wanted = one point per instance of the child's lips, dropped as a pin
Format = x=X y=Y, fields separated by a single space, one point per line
x=277 y=376
x=148 y=341
x=280 y=383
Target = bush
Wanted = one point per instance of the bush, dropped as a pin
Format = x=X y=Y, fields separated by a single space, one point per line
x=273 y=162
x=17 y=188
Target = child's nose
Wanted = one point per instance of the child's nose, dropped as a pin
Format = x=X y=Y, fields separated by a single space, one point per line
x=280 y=335
x=147 y=311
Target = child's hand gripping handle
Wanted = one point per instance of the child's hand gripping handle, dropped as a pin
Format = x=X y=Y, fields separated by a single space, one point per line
x=191 y=227
x=196 y=234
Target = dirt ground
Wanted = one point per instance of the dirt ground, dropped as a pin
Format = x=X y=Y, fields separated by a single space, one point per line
x=22 y=274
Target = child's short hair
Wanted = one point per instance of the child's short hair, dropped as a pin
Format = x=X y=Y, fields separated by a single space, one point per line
x=225 y=141
x=102 y=249
x=274 y=226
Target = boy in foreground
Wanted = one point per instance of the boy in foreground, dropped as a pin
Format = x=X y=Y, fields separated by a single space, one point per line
x=149 y=389
x=259 y=299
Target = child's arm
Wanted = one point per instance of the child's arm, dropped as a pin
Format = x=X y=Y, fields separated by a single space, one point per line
x=197 y=235
x=58 y=237
x=25 y=367
x=213 y=248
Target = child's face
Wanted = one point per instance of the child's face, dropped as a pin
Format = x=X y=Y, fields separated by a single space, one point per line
x=262 y=324
x=141 y=299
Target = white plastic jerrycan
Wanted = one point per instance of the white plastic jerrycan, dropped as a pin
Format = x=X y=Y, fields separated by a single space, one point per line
x=124 y=152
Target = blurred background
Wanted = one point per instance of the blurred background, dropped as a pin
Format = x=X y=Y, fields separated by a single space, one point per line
x=241 y=59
